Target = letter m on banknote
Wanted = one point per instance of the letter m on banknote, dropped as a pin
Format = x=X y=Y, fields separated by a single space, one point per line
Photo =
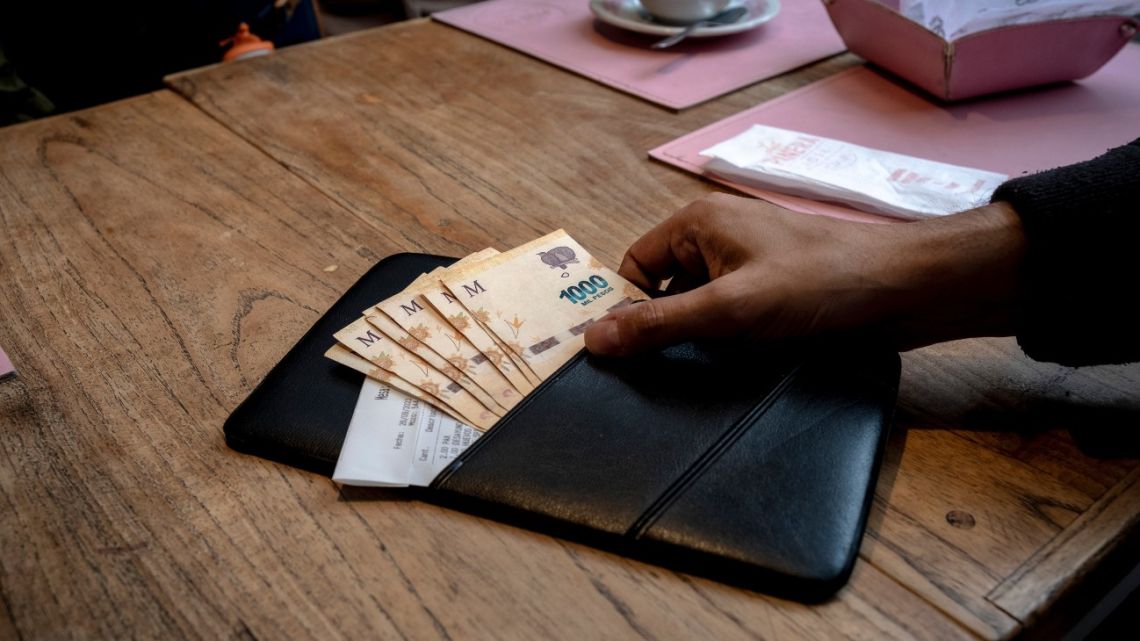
x=368 y=338
x=411 y=309
x=473 y=289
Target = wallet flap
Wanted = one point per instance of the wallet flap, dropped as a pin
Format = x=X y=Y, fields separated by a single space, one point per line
x=752 y=465
x=799 y=482
x=602 y=440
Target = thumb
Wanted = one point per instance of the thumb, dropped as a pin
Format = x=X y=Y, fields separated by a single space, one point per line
x=661 y=322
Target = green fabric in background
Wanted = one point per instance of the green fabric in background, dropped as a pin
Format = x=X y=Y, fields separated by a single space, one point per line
x=18 y=101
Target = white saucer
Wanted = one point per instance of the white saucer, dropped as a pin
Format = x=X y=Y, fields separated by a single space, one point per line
x=629 y=14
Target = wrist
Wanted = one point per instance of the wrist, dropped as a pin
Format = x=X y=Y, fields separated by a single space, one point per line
x=957 y=276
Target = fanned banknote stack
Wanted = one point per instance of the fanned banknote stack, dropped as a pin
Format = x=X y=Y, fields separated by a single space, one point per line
x=451 y=354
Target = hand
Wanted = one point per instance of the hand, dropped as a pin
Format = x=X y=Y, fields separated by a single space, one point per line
x=741 y=266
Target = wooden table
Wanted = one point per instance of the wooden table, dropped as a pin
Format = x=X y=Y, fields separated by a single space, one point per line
x=159 y=254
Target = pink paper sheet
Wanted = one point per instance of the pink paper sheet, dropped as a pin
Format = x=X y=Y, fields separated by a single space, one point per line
x=565 y=33
x=1014 y=134
x=5 y=364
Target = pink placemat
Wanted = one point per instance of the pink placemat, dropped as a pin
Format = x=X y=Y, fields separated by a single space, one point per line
x=1013 y=134
x=5 y=364
x=565 y=33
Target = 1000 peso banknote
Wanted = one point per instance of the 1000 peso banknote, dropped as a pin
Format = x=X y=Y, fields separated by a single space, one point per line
x=476 y=337
x=539 y=298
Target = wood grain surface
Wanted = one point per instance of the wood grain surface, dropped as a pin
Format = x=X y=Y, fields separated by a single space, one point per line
x=159 y=255
x=419 y=123
x=448 y=142
x=154 y=267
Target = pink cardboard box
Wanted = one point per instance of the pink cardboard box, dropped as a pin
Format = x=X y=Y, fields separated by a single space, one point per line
x=980 y=63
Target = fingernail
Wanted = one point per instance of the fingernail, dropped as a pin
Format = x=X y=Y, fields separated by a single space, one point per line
x=602 y=338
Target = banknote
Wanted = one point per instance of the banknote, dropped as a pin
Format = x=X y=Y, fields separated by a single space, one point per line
x=413 y=342
x=497 y=350
x=474 y=338
x=391 y=330
x=345 y=356
x=538 y=298
x=446 y=305
x=362 y=338
x=412 y=313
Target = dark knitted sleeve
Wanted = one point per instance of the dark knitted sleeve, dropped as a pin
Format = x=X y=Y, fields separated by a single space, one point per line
x=1080 y=277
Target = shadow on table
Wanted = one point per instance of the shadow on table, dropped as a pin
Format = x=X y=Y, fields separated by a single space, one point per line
x=885 y=483
x=1102 y=431
x=354 y=494
x=1098 y=406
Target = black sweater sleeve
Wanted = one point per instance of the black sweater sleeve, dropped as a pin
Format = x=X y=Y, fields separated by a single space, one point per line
x=1079 y=293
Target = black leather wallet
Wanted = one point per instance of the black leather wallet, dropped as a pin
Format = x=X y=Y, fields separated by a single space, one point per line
x=749 y=464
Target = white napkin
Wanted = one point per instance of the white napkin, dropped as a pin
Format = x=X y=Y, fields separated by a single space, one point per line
x=953 y=19
x=872 y=180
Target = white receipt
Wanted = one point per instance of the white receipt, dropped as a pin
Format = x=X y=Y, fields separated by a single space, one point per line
x=394 y=440
x=953 y=19
x=440 y=440
x=872 y=180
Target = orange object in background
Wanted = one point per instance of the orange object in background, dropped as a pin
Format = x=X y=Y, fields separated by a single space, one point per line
x=245 y=45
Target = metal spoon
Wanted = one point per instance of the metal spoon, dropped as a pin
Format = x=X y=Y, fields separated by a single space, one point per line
x=728 y=16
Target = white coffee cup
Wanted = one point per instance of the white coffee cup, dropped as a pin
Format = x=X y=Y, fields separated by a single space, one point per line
x=684 y=11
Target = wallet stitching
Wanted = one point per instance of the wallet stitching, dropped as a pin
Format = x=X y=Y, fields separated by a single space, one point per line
x=676 y=489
